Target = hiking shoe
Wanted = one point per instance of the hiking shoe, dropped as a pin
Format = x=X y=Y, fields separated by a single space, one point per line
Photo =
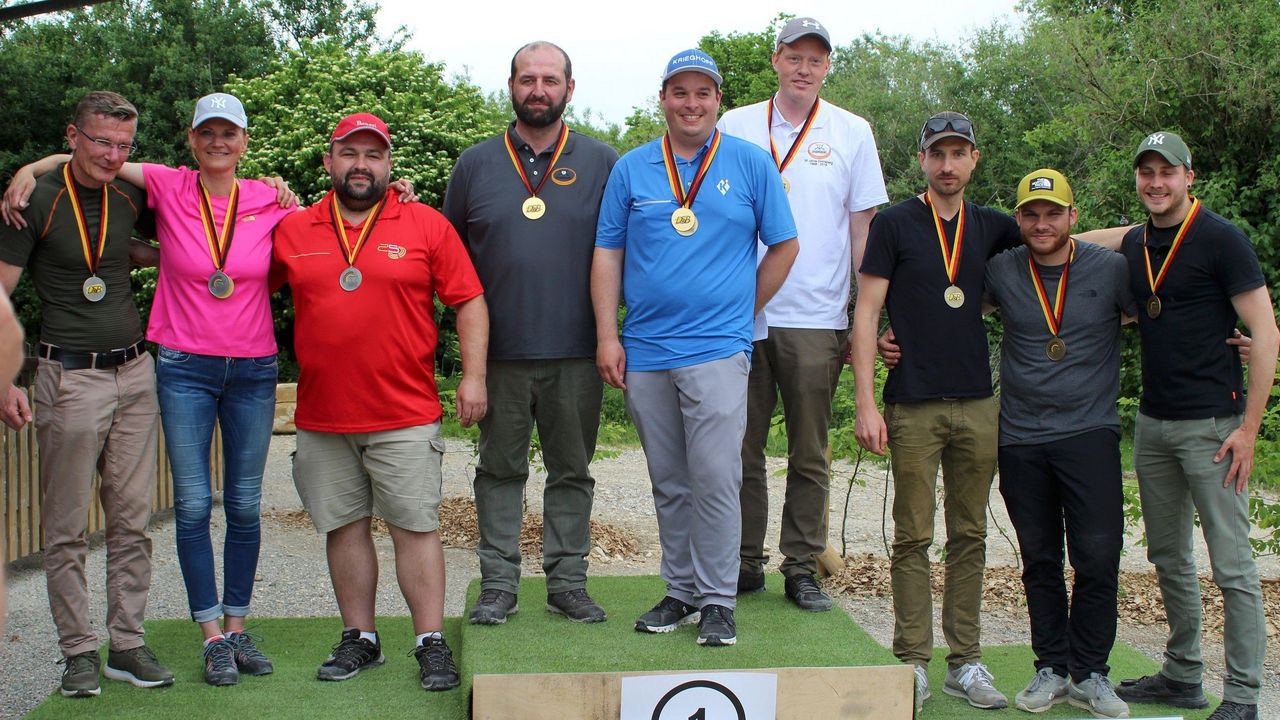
x=80 y=676
x=1164 y=691
x=667 y=615
x=249 y=659
x=922 y=687
x=750 y=582
x=220 y=662
x=1097 y=695
x=972 y=681
x=1234 y=711
x=351 y=655
x=1045 y=690
x=805 y=592
x=492 y=607
x=716 y=626
x=576 y=605
x=435 y=664
x=138 y=667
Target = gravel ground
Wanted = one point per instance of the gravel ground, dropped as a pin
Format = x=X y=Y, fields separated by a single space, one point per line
x=294 y=577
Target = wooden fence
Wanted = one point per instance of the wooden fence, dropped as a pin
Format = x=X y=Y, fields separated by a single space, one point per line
x=20 y=502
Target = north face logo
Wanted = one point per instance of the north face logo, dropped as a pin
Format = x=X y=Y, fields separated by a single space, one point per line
x=1042 y=183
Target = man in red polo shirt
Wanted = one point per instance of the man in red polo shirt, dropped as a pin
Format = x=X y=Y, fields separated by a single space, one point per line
x=364 y=269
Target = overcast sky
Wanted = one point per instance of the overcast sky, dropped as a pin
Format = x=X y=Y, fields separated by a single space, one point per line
x=619 y=50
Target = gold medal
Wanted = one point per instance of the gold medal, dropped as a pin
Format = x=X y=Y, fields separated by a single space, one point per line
x=533 y=208
x=1056 y=349
x=953 y=296
x=221 y=285
x=94 y=289
x=783 y=161
x=350 y=279
x=1154 y=306
x=786 y=185
x=684 y=221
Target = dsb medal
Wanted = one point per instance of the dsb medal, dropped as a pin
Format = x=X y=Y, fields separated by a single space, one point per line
x=533 y=208
x=1154 y=307
x=221 y=285
x=684 y=221
x=953 y=296
x=350 y=279
x=94 y=289
x=1056 y=349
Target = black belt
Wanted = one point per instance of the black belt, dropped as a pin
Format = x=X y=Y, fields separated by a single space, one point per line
x=73 y=360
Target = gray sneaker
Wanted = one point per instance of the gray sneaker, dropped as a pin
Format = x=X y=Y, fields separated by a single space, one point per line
x=1045 y=690
x=972 y=681
x=80 y=676
x=138 y=667
x=922 y=687
x=1098 y=696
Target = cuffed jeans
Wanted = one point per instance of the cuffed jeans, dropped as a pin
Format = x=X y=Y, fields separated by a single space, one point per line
x=803 y=366
x=240 y=394
x=563 y=398
x=1069 y=486
x=1177 y=479
x=960 y=434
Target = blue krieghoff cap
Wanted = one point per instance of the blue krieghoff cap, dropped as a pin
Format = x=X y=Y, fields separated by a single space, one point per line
x=695 y=60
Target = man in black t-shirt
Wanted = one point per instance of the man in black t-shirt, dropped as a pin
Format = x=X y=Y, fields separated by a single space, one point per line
x=525 y=204
x=925 y=261
x=95 y=392
x=1195 y=275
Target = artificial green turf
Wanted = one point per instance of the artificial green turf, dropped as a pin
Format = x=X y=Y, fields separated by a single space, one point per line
x=771 y=633
x=296 y=646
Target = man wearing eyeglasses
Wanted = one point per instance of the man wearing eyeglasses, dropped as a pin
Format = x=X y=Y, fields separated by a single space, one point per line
x=925 y=262
x=827 y=158
x=95 y=391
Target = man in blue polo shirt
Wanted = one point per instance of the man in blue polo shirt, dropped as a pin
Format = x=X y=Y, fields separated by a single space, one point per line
x=678 y=227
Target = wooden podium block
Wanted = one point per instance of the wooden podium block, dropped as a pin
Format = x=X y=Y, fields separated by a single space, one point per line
x=883 y=692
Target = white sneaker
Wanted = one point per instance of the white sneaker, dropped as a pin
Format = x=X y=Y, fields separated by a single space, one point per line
x=1098 y=696
x=972 y=681
x=922 y=687
x=1044 y=691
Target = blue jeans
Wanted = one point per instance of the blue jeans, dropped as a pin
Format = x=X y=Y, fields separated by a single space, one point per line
x=194 y=391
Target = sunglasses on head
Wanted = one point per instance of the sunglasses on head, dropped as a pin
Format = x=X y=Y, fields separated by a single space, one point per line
x=937 y=125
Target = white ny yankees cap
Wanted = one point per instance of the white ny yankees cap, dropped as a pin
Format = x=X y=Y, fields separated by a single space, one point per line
x=220 y=105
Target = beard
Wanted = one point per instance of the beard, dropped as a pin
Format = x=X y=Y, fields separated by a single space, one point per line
x=539 y=118
x=357 y=198
x=1057 y=245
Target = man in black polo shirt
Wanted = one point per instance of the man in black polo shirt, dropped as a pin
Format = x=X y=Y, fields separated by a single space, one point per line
x=925 y=260
x=525 y=204
x=1195 y=275
x=95 y=391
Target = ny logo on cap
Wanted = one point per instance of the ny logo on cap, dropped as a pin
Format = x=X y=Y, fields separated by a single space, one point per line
x=218 y=102
x=810 y=23
x=1156 y=139
x=1042 y=183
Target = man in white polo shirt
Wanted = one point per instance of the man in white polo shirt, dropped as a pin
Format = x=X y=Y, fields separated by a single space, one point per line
x=828 y=161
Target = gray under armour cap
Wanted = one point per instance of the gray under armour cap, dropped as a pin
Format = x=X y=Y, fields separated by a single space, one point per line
x=802 y=26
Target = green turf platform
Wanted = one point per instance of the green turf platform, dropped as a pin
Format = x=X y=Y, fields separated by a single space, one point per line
x=771 y=633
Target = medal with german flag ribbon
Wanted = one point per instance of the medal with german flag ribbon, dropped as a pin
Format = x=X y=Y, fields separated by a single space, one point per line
x=1154 y=306
x=953 y=296
x=1055 y=349
x=220 y=284
x=535 y=207
x=683 y=219
x=351 y=278
x=795 y=146
x=95 y=288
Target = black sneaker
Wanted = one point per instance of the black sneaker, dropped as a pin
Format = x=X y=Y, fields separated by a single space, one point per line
x=350 y=656
x=576 y=605
x=138 y=667
x=492 y=607
x=1234 y=711
x=80 y=676
x=805 y=592
x=750 y=582
x=435 y=665
x=717 y=627
x=249 y=659
x=1163 y=691
x=220 y=662
x=666 y=616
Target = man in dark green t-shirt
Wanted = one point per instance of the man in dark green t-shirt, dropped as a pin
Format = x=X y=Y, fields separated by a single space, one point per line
x=95 y=395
